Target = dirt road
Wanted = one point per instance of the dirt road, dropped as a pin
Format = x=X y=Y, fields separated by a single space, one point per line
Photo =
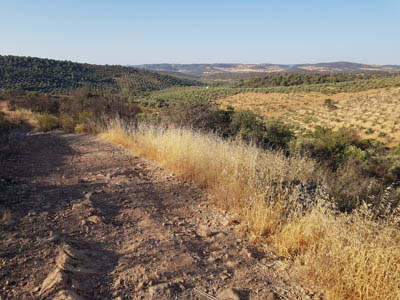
x=89 y=220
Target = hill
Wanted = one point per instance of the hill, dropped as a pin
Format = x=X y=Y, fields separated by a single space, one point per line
x=231 y=72
x=62 y=77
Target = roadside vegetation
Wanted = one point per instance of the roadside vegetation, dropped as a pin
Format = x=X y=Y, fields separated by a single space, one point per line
x=315 y=204
x=325 y=199
x=349 y=256
x=342 y=151
x=6 y=127
x=10 y=120
x=76 y=113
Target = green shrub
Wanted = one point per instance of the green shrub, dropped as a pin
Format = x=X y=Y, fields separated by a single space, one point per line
x=201 y=115
x=248 y=126
x=338 y=148
x=328 y=146
x=330 y=104
x=47 y=122
x=278 y=134
x=268 y=133
x=369 y=131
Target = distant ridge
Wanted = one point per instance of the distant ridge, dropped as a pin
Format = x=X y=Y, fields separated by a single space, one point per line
x=236 y=71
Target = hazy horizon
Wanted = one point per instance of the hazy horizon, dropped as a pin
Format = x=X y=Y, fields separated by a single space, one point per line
x=184 y=32
x=208 y=63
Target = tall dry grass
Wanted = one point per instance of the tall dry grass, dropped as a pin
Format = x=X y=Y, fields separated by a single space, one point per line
x=347 y=256
x=22 y=116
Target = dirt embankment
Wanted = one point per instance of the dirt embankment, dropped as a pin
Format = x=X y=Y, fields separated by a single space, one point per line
x=91 y=221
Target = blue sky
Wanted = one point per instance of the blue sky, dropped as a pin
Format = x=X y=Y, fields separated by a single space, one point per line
x=138 y=32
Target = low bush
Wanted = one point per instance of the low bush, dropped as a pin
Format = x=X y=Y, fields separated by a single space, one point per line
x=85 y=123
x=264 y=133
x=327 y=146
x=67 y=122
x=198 y=114
x=85 y=109
x=336 y=148
x=37 y=103
x=278 y=134
x=47 y=122
x=363 y=170
x=248 y=126
x=330 y=104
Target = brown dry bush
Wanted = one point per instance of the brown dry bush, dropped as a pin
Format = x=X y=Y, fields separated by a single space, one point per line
x=84 y=111
x=36 y=103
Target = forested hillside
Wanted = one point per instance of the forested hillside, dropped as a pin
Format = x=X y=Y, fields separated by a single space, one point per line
x=54 y=76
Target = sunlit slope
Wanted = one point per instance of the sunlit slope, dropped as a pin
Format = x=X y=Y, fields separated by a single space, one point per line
x=373 y=113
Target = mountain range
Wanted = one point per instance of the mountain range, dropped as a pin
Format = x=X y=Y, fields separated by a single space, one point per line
x=236 y=71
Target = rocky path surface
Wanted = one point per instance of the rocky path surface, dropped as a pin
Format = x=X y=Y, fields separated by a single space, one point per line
x=92 y=221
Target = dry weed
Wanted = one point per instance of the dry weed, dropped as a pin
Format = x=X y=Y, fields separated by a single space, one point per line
x=21 y=116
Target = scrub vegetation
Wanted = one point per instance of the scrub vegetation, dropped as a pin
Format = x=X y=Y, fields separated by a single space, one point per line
x=350 y=256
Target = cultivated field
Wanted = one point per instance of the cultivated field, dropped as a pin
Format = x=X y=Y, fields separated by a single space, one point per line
x=372 y=113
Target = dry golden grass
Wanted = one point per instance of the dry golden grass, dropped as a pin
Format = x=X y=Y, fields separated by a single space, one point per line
x=347 y=256
x=351 y=257
x=22 y=116
x=373 y=113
